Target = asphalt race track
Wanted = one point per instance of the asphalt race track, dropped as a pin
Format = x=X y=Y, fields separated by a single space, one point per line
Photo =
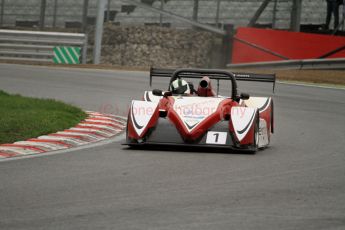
x=298 y=183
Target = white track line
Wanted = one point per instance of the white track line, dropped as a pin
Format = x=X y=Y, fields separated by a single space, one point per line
x=311 y=85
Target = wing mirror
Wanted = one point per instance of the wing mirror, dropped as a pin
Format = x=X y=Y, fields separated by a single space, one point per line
x=167 y=94
x=244 y=96
x=158 y=92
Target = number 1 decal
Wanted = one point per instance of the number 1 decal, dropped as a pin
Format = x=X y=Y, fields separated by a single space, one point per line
x=218 y=138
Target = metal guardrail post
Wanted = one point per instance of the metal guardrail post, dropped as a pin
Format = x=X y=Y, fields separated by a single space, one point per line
x=195 y=10
x=55 y=12
x=227 y=44
x=42 y=13
x=108 y=11
x=296 y=15
x=274 y=14
x=2 y=12
x=84 y=50
x=218 y=12
x=341 y=24
x=84 y=19
x=161 y=16
x=98 y=32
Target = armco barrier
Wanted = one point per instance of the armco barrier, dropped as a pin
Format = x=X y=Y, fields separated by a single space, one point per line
x=336 y=63
x=39 y=46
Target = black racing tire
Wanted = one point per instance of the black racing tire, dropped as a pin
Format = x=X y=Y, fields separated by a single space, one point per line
x=256 y=135
x=255 y=146
x=127 y=139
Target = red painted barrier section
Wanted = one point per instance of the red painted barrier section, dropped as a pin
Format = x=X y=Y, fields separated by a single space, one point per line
x=292 y=45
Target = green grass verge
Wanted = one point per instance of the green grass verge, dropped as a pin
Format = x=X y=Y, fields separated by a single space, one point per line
x=22 y=118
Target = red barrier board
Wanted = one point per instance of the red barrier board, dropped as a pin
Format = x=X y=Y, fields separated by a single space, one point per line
x=292 y=45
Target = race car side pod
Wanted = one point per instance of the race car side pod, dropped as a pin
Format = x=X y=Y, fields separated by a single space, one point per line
x=161 y=72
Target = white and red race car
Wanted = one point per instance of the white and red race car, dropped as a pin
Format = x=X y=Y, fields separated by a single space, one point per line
x=201 y=118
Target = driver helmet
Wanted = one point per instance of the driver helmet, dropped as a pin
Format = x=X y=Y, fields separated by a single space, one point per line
x=180 y=86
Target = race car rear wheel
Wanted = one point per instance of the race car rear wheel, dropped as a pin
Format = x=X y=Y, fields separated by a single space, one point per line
x=127 y=138
x=256 y=136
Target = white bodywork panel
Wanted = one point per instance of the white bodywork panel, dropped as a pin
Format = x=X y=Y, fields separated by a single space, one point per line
x=148 y=96
x=141 y=114
x=242 y=120
x=194 y=110
x=261 y=103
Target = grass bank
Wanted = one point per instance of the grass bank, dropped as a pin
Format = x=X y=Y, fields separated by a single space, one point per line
x=22 y=118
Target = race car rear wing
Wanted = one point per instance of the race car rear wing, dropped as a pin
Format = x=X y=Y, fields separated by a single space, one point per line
x=198 y=73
